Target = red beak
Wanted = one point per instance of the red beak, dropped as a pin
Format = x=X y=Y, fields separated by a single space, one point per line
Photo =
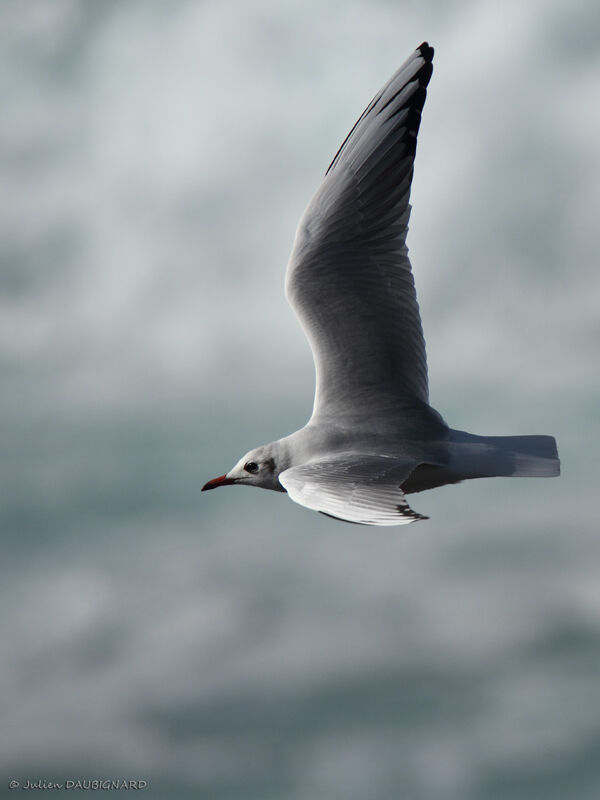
x=223 y=480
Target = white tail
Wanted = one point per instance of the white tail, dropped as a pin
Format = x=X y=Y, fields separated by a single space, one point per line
x=509 y=456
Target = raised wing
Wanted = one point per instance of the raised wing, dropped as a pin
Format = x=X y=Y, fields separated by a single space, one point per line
x=349 y=278
x=363 y=489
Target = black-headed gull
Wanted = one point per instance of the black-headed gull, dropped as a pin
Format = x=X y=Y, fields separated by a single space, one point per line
x=373 y=437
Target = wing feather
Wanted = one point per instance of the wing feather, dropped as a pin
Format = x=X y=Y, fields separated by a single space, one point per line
x=355 y=488
x=349 y=278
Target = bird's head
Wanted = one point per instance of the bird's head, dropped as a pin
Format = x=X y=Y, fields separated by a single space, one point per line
x=259 y=468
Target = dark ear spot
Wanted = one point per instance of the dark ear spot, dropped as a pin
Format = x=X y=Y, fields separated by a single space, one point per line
x=270 y=464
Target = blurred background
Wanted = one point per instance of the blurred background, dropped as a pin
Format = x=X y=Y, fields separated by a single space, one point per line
x=156 y=157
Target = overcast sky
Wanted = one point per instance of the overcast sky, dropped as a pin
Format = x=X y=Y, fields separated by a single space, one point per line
x=156 y=158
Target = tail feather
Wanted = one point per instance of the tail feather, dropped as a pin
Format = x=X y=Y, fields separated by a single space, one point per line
x=534 y=456
x=508 y=456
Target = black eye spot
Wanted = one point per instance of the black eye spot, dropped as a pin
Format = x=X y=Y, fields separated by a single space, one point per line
x=251 y=466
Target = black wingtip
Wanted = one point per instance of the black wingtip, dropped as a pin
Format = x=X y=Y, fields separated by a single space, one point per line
x=426 y=51
x=425 y=73
x=406 y=511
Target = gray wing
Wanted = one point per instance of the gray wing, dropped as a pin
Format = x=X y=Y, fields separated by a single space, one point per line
x=354 y=488
x=349 y=278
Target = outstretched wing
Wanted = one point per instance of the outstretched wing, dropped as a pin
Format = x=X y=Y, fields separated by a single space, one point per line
x=363 y=489
x=349 y=277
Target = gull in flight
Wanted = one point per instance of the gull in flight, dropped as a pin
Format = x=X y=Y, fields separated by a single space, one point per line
x=372 y=438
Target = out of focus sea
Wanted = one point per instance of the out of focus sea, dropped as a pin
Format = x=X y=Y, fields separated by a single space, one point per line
x=155 y=160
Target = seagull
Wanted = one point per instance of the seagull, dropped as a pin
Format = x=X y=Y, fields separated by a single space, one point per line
x=372 y=438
